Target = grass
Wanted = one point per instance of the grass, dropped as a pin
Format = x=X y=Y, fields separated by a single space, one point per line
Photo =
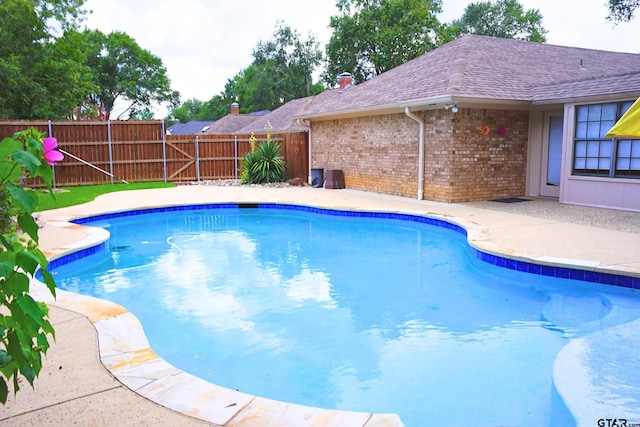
x=82 y=194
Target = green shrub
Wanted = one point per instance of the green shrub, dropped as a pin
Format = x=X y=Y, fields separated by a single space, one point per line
x=263 y=165
x=246 y=166
x=24 y=323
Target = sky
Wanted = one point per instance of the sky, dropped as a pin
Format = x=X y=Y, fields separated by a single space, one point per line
x=204 y=43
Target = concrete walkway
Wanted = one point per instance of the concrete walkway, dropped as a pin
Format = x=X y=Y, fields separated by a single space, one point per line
x=75 y=387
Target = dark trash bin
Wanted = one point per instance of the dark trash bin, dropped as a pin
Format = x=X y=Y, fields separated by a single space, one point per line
x=335 y=179
x=317 y=178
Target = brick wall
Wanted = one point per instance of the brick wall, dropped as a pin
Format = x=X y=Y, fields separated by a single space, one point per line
x=489 y=166
x=380 y=153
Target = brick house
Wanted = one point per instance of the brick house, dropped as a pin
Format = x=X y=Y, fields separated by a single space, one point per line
x=483 y=118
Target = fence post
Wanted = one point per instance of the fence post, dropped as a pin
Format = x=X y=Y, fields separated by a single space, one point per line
x=110 y=149
x=164 y=152
x=197 y=159
x=53 y=168
x=235 y=154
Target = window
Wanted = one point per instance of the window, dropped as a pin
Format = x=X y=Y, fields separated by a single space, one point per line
x=596 y=155
x=628 y=159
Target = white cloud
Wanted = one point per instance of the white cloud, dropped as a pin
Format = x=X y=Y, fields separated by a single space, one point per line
x=204 y=43
x=576 y=23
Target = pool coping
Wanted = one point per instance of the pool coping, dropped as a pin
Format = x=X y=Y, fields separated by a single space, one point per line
x=135 y=365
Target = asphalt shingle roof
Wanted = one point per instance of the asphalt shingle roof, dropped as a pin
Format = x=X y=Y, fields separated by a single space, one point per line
x=281 y=119
x=618 y=83
x=190 y=128
x=231 y=123
x=479 y=67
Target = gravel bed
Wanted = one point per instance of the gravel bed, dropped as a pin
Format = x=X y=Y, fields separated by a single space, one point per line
x=553 y=210
x=236 y=183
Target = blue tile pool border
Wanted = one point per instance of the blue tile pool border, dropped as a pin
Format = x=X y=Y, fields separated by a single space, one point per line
x=500 y=261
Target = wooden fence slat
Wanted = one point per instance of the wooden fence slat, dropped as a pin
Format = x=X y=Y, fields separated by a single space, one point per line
x=176 y=173
x=137 y=151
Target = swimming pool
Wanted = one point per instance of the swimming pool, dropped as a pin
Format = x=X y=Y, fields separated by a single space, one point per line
x=408 y=326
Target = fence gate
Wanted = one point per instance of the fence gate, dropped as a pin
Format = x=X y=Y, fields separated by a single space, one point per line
x=140 y=151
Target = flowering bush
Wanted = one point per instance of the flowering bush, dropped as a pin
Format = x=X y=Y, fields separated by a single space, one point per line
x=24 y=323
x=264 y=163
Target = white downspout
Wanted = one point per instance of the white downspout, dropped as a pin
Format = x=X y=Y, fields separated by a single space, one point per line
x=307 y=124
x=420 y=152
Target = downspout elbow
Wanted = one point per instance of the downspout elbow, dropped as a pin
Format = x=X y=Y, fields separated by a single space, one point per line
x=420 y=152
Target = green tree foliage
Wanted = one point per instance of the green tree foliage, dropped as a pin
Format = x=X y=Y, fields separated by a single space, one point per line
x=193 y=109
x=282 y=70
x=143 y=113
x=59 y=14
x=622 y=10
x=24 y=323
x=373 y=36
x=40 y=76
x=215 y=108
x=122 y=69
x=284 y=67
x=251 y=88
x=67 y=79
x=505 y=19
x=49 y=70
x=220 y=105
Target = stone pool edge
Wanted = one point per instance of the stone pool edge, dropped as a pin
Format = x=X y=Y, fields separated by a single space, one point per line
x=138 y=368
x=125 y=352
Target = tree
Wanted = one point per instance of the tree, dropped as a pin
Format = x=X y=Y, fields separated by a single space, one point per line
x=220 y=106
x=622 y=10
x=505 y=19
x=59 y=14
x=122 y=69
x=373 y=36
x=282 y=70
x=144 y=113
x=40 y=76
x=63 y=77
x=192 y=109
x=50 y=70
x=215 y=108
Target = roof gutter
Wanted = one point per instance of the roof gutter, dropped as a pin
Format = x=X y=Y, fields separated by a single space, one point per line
x=420 y=152
x=433 y=103
x=587 y=99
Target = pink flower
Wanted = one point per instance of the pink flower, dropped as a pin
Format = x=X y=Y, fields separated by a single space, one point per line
x=501 y=130
x=51 y=155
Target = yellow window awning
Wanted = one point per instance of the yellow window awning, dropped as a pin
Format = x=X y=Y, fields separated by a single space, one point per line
x=629 y=124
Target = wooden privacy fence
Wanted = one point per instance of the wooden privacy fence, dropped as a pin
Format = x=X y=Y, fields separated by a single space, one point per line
x=101 y=152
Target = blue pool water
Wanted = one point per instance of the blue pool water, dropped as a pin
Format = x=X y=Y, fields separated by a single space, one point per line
x=341 y=311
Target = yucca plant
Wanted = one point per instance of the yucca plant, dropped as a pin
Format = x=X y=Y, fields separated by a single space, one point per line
x=246 y=166
x=263 y=165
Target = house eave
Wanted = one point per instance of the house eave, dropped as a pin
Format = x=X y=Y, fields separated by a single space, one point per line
x=433 y=103
x=588 y=98
x=377 y=109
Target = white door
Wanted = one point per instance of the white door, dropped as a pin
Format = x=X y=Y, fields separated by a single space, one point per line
x=552 y=155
